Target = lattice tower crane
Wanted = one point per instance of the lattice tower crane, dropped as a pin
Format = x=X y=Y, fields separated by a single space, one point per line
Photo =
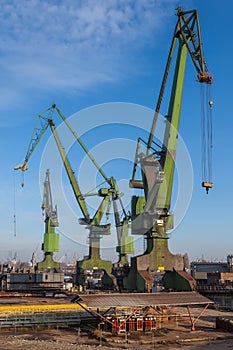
x=151 y=215
x=94 y=224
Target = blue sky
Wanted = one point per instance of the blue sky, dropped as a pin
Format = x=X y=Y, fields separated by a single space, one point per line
x=79 y=54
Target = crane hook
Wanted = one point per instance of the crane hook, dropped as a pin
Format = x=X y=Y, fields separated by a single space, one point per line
x=207 y=186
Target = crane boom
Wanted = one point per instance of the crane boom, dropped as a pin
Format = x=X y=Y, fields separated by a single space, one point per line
x=158 y=191
x=76 y=189
x=37 y=134
x=82 y=145
x=190 y=42
x=184 y=31
x=44 y=121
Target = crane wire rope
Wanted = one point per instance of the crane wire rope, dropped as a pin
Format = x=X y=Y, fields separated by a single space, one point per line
x=203 y=133
x=210 y=131
x=206 y=132
x=14 y=208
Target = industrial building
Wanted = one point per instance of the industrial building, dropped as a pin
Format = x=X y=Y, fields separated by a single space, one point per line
x=203 y=271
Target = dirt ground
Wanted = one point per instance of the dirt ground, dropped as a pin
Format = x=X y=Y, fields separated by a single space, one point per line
x=173 y=334
x=63 y=340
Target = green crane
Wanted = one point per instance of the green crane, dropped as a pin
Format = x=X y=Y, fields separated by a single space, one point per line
x=107 y=194
x=151 y=214
x=51 y=239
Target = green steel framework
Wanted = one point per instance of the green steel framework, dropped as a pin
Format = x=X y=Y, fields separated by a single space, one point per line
x=151 y=214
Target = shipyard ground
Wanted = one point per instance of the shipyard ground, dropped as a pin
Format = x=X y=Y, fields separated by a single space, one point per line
x=169 y=335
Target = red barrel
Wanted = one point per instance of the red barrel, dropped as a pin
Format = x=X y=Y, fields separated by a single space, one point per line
x=147 y=324
x=153 y=323
x=114 y=325
x=139 y=324
x=131 y=325
x=122 y=325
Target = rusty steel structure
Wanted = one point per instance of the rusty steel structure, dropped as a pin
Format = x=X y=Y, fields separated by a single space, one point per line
x=118 y=309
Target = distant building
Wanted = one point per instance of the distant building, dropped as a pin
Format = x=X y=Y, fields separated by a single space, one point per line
x=220 y=278
x=201 y=270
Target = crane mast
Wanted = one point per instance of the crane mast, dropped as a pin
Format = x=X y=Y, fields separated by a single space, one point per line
x=151 y=214
x=51 y=239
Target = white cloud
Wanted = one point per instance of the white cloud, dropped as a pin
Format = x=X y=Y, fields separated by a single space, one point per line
x=62 y=45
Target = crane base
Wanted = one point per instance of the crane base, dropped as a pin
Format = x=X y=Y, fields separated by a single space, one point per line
x=89 y=266
x=48 y=263
x=157 y=258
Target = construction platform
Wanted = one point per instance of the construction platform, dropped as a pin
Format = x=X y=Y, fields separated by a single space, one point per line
x=121 y=312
